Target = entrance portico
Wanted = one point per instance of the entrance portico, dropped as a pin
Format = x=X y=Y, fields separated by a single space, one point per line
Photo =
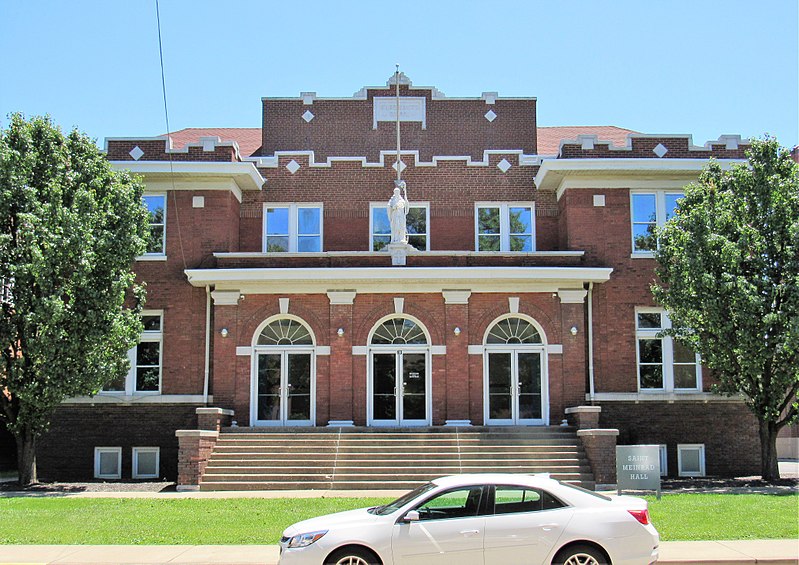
x=400 y=347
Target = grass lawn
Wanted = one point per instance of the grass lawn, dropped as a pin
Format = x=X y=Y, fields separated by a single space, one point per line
x=261 y=521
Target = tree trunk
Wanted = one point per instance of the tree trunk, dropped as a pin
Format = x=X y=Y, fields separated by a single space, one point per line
x=769 y=468
x=26 y=457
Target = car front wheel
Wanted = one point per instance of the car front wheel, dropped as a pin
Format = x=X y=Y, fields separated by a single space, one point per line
x=352 y=556
x=580 y=555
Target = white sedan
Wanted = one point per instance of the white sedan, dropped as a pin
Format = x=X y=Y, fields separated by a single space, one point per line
x=490 y=519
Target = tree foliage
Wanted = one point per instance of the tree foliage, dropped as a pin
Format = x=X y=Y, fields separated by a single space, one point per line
x=729 y=272
x=70 y=228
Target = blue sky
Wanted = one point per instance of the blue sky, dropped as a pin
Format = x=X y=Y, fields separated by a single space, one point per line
x=701 y=67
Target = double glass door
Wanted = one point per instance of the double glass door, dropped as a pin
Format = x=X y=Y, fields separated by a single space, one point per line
x=399 y=389
x=283 y=389
x=516 y=391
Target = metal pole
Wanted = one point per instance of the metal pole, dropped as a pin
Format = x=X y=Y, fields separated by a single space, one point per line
x=399 y=163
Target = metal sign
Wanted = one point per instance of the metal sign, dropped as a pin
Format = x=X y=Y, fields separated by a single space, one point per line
x=638 y=467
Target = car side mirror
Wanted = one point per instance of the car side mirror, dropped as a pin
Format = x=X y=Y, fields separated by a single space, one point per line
x=412 y=516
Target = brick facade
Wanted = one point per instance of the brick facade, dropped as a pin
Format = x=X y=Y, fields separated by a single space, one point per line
x=455 y=160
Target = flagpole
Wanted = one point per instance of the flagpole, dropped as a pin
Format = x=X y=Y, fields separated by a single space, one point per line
x=399 y=162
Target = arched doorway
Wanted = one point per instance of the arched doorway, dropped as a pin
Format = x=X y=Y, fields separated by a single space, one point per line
x=283 y=390
x=516 y=383
x=398 y=384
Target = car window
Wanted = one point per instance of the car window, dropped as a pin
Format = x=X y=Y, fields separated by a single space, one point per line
x=402 y=501
x=512 y=499
x=461 y=502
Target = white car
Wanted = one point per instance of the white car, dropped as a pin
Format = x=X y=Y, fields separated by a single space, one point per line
x=485 y=519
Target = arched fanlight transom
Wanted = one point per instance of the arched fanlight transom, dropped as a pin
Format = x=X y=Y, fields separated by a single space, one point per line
x=285 y=332
x=513 y=331
x=401 y=331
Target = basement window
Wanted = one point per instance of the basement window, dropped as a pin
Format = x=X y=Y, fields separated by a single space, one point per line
x=146 y=462
x=107 y=462
x=691 y=459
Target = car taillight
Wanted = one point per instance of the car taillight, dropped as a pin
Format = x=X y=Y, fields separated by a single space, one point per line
x=640 y=515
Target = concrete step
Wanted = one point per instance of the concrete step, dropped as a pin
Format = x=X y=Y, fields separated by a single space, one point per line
x=368 y=458
x=395 y=464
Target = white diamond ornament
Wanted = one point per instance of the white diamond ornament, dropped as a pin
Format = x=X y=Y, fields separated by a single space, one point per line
x=660 y=150
x=402 y=166
x=293 y=166
x=308 y=116
x=504 y=165
x=136 y=153
x=490 y=115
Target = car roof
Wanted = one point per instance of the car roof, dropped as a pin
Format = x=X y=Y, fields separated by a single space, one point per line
x=541 y=479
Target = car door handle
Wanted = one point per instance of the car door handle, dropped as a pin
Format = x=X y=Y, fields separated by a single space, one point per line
x=549 y=527
x=469 y=532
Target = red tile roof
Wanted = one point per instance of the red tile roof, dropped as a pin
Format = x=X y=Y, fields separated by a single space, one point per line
x=249 y=139
x=549 y=138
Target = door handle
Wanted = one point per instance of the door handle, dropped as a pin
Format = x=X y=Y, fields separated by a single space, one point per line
x=469 y=532
x=549 y=527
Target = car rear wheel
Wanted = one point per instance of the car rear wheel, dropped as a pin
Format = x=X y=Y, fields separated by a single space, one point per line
x=352 y=556
x=580 y=555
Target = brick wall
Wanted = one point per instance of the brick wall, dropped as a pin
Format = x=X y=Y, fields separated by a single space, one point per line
x=728 y=430
x=66 y=452
x=642 y=148
x=345 y=127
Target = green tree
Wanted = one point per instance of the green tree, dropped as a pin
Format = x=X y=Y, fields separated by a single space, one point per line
x=728 y=262
x=70 y=228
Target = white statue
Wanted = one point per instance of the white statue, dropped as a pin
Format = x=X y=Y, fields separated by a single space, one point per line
x=397 y=212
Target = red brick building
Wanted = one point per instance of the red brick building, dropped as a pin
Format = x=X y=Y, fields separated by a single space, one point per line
x=525 y=292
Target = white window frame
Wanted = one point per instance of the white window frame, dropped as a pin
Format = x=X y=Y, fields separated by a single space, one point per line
x=663 y=454
x=100 y=450
x=135 y=465
x=668 y=355
x=382 y=205
x=156 y=255
x=504 y=225
x=293 y=235
x=660 y=216
x=700 y=447
x=130 y=378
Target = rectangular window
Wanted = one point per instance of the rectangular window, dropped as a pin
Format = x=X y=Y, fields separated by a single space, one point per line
x=293 y=228
x=650 y=210
x=416 y=222
x=156 y=207
x=146 y=462
x=664 y=365
x=664 y=460
x=107 y=462
x=505 y=227
x=691 y=459
x=145 y=358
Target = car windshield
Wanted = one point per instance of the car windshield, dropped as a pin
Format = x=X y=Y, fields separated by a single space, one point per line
x=583 y=490
x=401 y=501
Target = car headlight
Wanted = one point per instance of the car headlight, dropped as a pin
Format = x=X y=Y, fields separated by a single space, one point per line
x=304 y=540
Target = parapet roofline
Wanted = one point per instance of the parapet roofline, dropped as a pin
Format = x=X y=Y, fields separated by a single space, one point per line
x=588 y=141
x=208 y=143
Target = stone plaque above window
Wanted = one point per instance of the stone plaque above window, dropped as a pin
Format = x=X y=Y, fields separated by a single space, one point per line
x=412 y=109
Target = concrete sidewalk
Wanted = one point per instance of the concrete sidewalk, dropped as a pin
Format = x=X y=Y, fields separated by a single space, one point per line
x=772 y=552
